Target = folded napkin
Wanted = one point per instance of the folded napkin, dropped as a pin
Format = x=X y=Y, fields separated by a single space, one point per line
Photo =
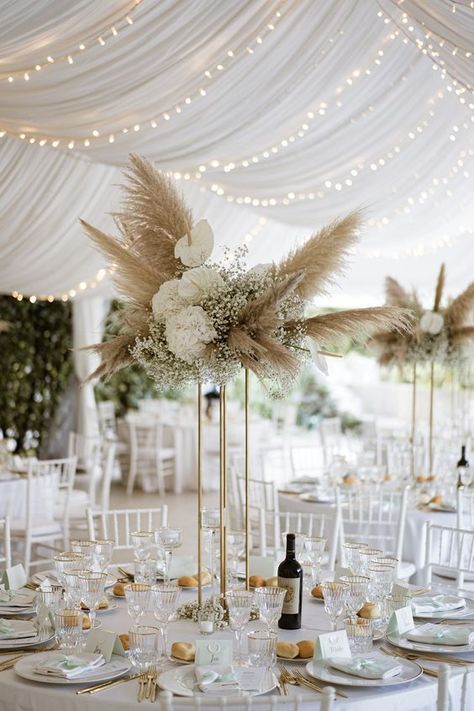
x=216 y=679
x=17 y=598
x=436 y=603
x=16 y=629
x=371 y=666
x=6 y=595
x=69 y=666
x=442 y=634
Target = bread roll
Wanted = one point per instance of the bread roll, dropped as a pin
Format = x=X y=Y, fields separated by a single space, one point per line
x=119 y=590
x=205 y=577
x=256 y=581
x=124 y=638
x=86 y=623
x=436 y=500
x=187 y=581
x=183 y=650
x=272 y=582
x=103 y=604
x=287 y=650
x=369 y=611
x=306 y=648
x=317 y=592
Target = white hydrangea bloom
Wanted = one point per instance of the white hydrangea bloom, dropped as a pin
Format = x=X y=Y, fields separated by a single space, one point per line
x=431 y=322
x=167 y=301
x=196 y=283
x=188 y=332
x=200 y=249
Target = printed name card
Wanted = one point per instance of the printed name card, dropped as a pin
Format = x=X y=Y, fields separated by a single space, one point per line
x=218 y=652
x=332 y=644
x=14 y=578
x=261 y=565
x=105 y=643
x=401 y=621
x=44 y=618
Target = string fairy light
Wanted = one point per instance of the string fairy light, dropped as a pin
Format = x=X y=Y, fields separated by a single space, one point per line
x=66 y=295
x=97 y=37
x=246 y=47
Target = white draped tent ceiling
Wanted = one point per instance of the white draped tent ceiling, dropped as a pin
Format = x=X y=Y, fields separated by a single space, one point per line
x=276 y=117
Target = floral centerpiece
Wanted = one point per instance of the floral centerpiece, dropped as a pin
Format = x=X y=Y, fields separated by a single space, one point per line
x=189 y=319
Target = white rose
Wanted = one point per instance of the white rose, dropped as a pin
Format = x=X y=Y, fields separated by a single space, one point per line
x=431 y=322
x=319 y=361
x=188 y=332
x=195 y=283
x=193 y=250
x=167 y=301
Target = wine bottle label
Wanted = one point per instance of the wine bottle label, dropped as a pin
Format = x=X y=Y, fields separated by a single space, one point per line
x=292 y=597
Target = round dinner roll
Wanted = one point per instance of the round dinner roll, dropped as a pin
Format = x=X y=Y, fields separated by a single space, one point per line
x=272 y=582
x=256 y=581
x=205 y=577
x=86 y=623
x=183 y=650
x=103 y=604
x=306 y=648
x=125 y=639
x=287 y=650
x=119 y=590
x=317 y=592
x=370 y=611
x=187 y=581
x=436 y=499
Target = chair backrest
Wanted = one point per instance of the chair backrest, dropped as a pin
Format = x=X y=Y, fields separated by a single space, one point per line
x=465 y=509
x=107 y=465
x=263 y=512
x=442 y=698
x=5 y=543
x=372 y=516
x=305 y=460
x=118 y=524
x=313 y=525
x=147 y=435
x=262 y=703
x=86 y=449
x=107 y=419
x=449 y=551
x=49 y=481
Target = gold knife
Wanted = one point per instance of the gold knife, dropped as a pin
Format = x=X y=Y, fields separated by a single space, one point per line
x=107 y=684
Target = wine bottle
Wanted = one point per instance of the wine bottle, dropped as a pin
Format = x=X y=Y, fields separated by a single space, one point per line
x=290 y=577
x=461 y=468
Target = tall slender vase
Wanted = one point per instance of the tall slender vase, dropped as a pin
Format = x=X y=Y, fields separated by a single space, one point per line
x=246 y=478
x=431 y=416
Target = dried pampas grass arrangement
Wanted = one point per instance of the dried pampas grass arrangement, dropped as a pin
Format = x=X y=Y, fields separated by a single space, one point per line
x=187 y=319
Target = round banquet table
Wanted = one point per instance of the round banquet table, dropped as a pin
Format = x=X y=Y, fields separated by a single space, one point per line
x=13 y=497
x=414 y=542
x=17 y=694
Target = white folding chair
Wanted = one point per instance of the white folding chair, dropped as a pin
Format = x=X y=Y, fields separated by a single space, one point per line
x=147 y=452
x=465 y=509
x=375 y=517
x=48 y=487
x=118 y=524
x=5 y=540
x=250 y=703
x=449 y=552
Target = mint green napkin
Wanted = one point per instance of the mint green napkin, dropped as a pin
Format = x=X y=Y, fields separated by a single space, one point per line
x=442 y=634
x=436 y=603
x=370 y=666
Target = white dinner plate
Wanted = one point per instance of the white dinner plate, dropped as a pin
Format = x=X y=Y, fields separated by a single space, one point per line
x=182 y=682
x=403 y=643
x=457 y=614
x=7 y=644
x=15 y=611
x=112 y=606
x=317 y=498
x=323 y=672
x=296 y=660
x=25 y=667
x=51 y=575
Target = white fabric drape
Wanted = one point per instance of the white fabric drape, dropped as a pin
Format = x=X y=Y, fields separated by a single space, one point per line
x=88 y=320
x=330 y=110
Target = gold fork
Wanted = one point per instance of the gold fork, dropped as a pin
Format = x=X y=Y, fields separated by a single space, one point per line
x=389 y=653
x=303 y=680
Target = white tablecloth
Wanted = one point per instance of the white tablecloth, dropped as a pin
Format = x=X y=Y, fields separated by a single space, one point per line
x=20 y=695
x=13 y=498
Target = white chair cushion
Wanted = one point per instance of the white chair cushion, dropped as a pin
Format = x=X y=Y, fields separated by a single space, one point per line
x=38 y=528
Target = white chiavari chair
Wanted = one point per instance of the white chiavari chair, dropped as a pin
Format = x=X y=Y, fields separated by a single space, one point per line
x=442 y=696
x=251 y=703
x=48 y=487
x=330 y=431
x=107 y=419
x=5 y=543
x=374 y=516
x=305 y=460
x=118 y=524
x=449 y=553
x=465 y=509
x=147 y=453
x=88 y=472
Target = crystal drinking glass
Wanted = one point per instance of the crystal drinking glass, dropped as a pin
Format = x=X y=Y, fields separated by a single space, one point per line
x=367 y=556
x=236 y=548
x=269 y=602
x=380 y=586
x=92 y=586
x=142 y=542
x=314 y=550
x=211 y=523
x=334 y=594
x=68 y=629
x=72 y=587
x=50 y=598
x=357 y=591
x=137 y=596
x=352 y=556
x=239 y=606
x=87 y=549
x=261 y=646
x=165 y=601
x=389 y=560
x=103 y=552
x=67 y=561
x=359 y=634
x=144 y=647
x=169 y=539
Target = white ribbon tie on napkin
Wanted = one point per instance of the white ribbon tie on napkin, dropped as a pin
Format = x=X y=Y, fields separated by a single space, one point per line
x=69 y=666
x=436 y=603
x=437 y=634
x=371 y=667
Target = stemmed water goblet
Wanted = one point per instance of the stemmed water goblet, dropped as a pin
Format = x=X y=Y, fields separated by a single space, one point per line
x=165 y=600
x=314 y=549
x=142 y=542
x=169 y=539
x=269 y=602
x=334 y=595
x=87 y=548
x=72 y=587
x=137 y=596
x=92 y=585
x=352 y=555
x=357 y=592
x=103 y=552
x=67 y=561
x=366 y=557
x=239 y=606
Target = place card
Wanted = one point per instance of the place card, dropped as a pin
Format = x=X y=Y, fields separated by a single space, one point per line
x=332 y=644
x=401 y=587
x=401 y=621
x=261 y=565
x=14 y=577
x=105 y=643
x=44 y=618
x=212 y=652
